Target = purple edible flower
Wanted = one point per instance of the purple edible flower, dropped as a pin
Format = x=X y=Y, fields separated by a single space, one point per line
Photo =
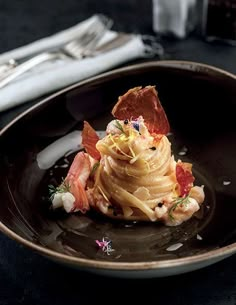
x=105 y=245
x=136 y=126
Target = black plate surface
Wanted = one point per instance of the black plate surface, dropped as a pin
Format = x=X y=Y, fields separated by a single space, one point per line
x=200 y=104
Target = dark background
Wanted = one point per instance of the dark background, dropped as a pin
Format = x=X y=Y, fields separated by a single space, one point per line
x=26 y=277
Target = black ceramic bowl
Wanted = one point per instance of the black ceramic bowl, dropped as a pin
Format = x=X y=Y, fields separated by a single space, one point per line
x=200 y=102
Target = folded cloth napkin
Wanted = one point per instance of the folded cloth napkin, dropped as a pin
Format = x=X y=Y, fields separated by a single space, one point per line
x=54 y=75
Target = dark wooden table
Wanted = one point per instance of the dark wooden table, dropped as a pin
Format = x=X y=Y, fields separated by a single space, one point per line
x=26 y=277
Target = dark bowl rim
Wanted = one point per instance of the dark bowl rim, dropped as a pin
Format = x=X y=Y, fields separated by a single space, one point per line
x=217 y=254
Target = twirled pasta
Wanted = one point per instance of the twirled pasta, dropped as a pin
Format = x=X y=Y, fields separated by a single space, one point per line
x=136 y=178
x=131 y=173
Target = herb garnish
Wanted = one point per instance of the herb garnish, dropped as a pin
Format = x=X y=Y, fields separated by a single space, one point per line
x=62 y=188
x=118 y=126
x=95 y=166
x=177 y=202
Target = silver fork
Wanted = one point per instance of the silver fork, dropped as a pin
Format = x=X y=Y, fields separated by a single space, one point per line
x=75 y=49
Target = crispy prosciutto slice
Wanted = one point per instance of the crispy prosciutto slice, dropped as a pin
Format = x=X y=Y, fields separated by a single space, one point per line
x=143 y=102
x=89 y=141
x=184 y=177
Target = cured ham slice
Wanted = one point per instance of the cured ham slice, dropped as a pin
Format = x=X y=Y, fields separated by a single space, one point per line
x=89 y=141
x=143 y=102
x=184 y=177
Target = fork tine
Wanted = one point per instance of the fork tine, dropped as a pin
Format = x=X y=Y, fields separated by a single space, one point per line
x=89 y=40
x=91 y=34
x=87 y=37
x=99 y=33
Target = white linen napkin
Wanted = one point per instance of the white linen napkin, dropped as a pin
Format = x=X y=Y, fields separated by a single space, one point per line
x=55 y=75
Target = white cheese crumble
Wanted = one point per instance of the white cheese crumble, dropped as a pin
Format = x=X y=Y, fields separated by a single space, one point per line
x=160 y=211
x=174 y=247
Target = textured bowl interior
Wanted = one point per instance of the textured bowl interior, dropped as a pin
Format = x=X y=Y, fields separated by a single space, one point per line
x=200 y=104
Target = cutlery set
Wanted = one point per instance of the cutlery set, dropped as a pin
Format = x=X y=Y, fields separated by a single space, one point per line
x=87 y=44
